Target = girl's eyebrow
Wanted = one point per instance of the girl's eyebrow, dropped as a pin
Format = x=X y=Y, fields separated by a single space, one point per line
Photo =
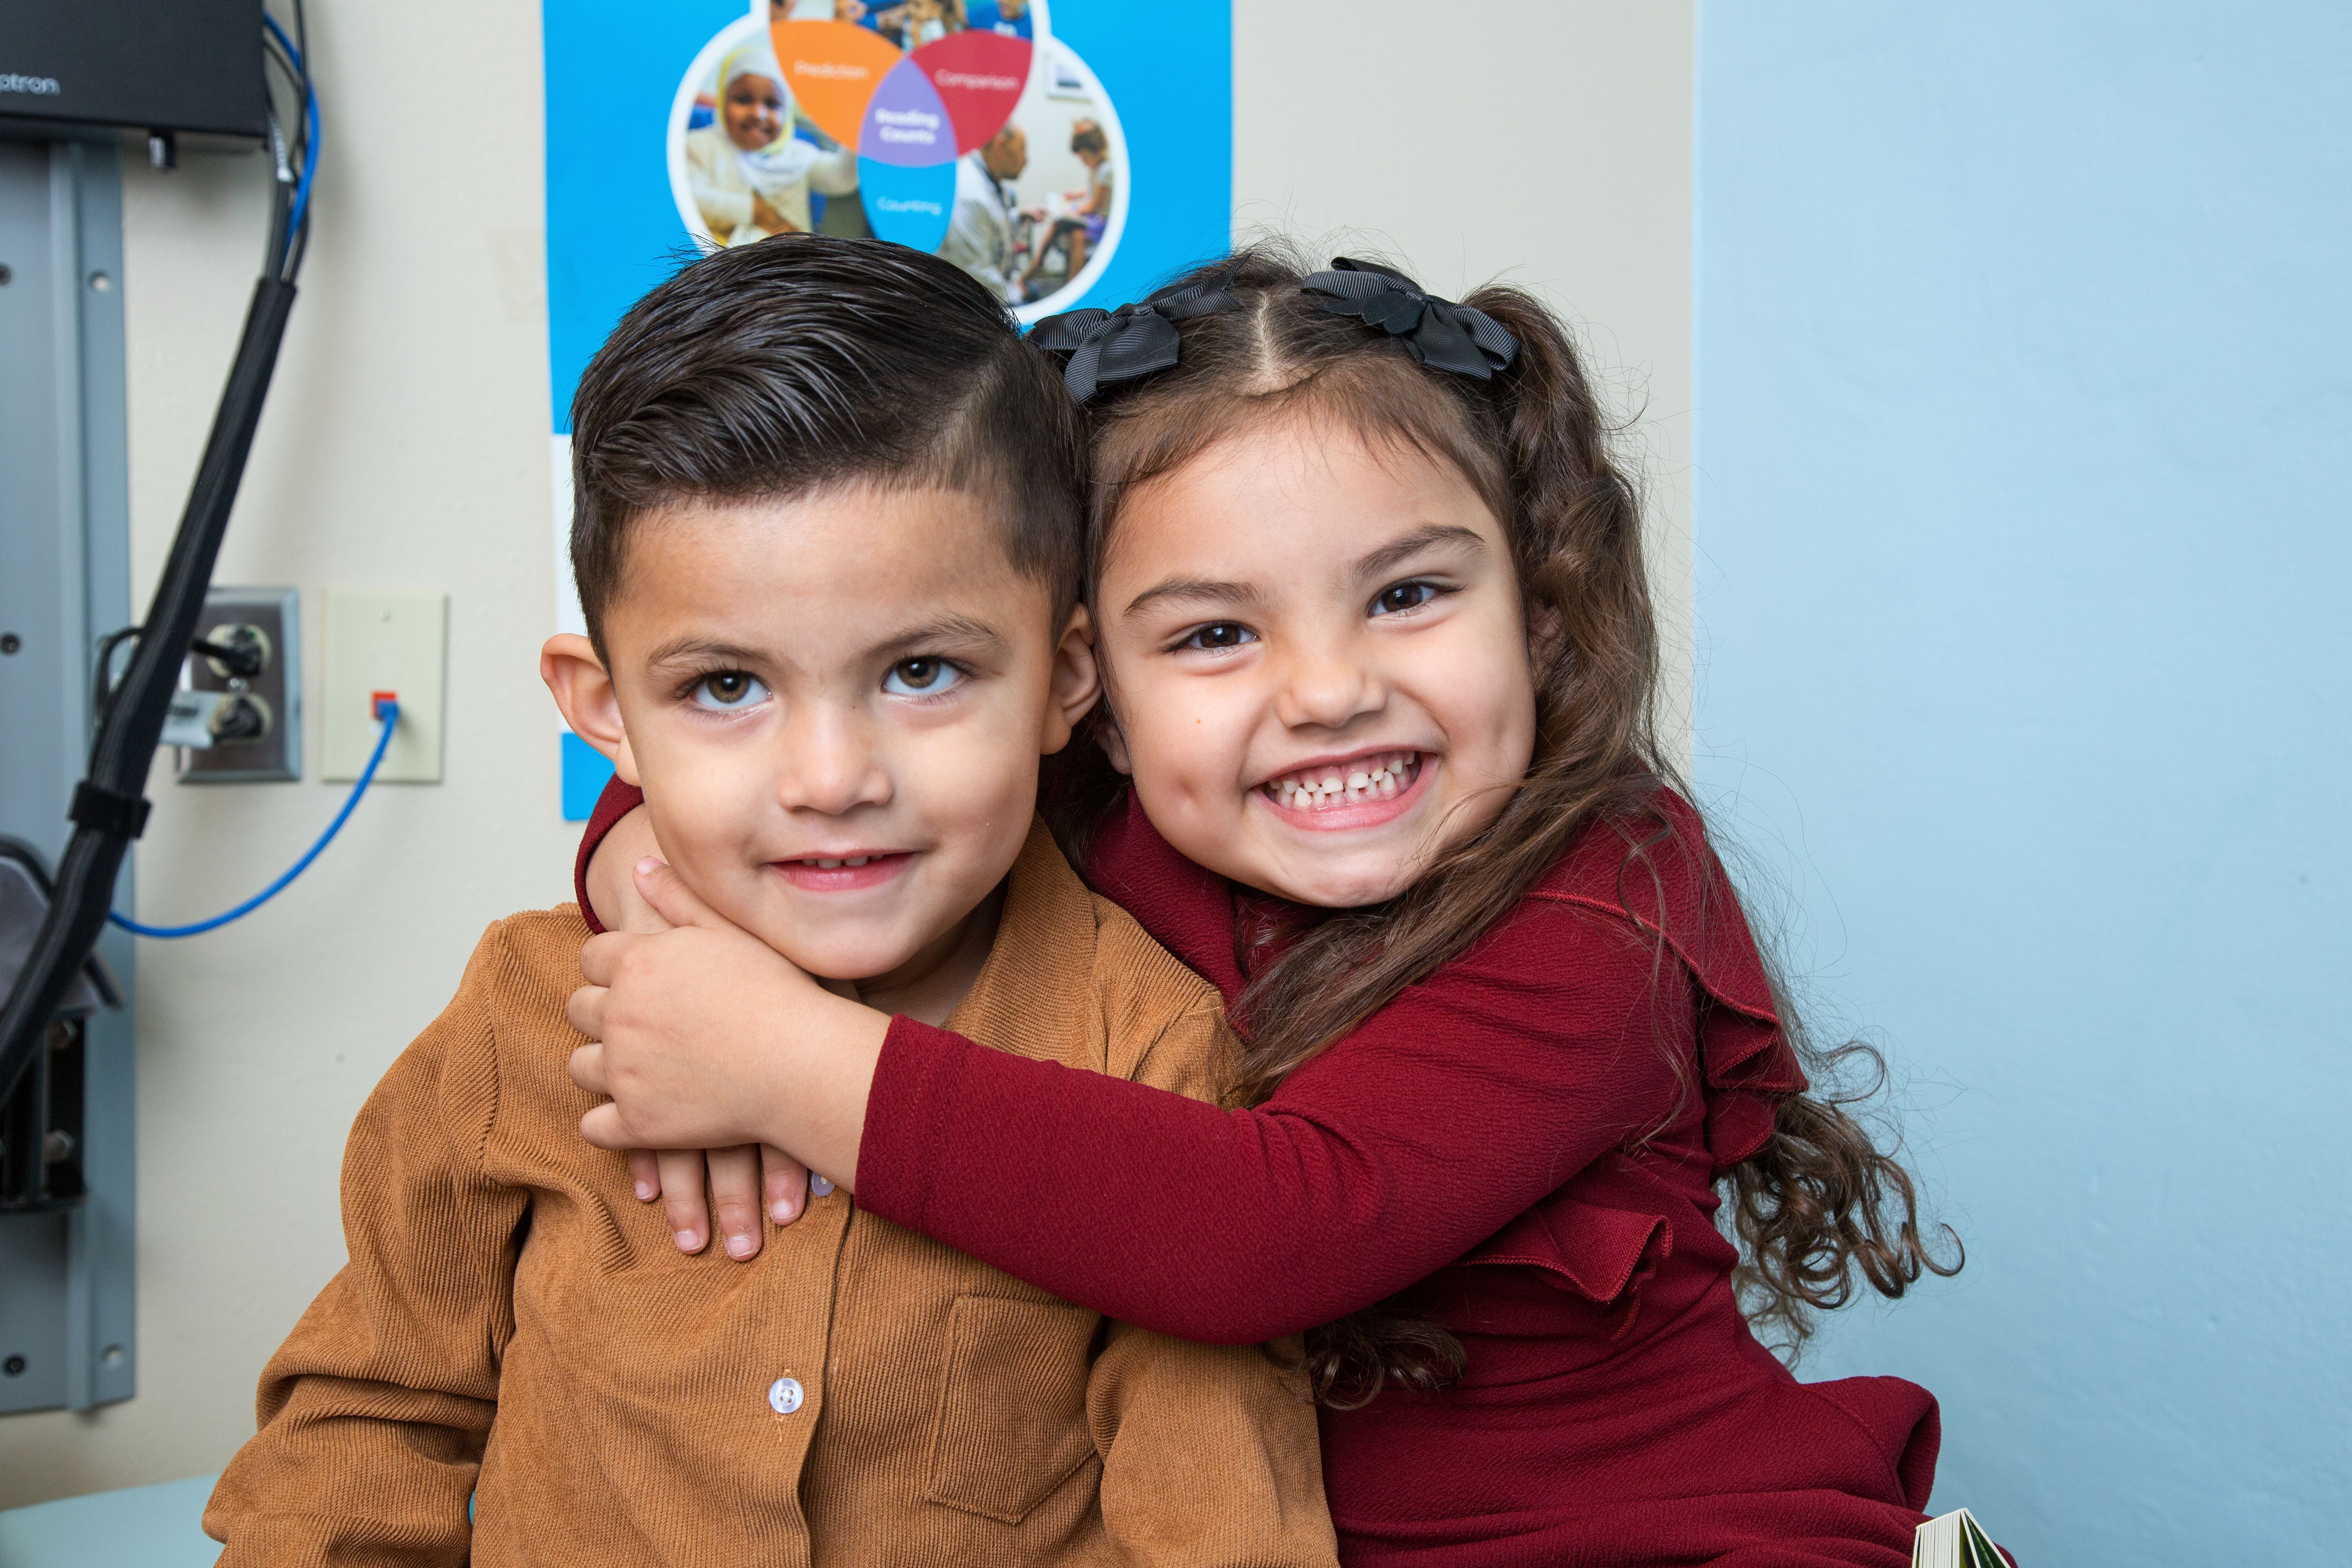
x=1398 y=551
x=1193 y=591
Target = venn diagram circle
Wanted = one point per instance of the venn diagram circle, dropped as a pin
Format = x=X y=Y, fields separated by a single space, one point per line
x=911 y=114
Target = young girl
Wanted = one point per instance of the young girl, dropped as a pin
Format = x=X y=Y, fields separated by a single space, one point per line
x=1381 y=662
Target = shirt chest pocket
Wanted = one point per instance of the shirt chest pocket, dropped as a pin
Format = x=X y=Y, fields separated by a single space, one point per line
x=1011 y=1425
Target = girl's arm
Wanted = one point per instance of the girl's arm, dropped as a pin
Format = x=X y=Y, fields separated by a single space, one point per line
x=1387 y=1157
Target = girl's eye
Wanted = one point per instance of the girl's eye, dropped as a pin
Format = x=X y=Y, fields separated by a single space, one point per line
x=729 y=691
x=921 y=678
x=1403 y=596
x=1218 y=634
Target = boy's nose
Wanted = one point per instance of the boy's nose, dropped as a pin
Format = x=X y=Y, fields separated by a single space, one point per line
x=829 y=768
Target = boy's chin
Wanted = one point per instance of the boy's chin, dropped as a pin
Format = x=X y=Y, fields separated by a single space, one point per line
x=846 y=957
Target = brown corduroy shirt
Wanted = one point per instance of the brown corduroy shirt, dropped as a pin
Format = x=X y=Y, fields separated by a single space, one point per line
x=514 y=1326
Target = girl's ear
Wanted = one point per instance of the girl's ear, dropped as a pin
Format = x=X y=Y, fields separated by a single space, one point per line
x=1075 y=684
x=1114 y=743
x=576 y=678
x=1547 y=628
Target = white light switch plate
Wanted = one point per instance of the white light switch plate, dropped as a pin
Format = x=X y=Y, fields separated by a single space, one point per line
x=381 y=639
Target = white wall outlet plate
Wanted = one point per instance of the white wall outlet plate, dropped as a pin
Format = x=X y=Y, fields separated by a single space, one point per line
x=382 y=640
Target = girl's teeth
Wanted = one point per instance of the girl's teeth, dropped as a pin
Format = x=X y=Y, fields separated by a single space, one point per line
x=1380 y=779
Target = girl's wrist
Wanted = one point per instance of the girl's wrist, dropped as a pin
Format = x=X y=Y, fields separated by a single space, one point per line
x=825 y=1052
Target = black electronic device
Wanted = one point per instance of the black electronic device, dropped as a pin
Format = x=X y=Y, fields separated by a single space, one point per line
x=158 y=68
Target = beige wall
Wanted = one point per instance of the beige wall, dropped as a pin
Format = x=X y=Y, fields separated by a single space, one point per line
x=406 y=446
x=1545 y=145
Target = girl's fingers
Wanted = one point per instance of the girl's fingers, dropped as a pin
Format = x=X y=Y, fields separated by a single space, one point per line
x=786 y=1181
x=681 y=1196
x=735 y=1190
x=602 y=1127
x=585 y=1007
x=645 y=1174
x=672 y=900
x=587 y=1068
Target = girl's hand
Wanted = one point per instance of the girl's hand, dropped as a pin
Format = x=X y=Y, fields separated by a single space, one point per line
x=709 y=1038
x=741 y=1181
x=675 y=1176
x=612 y=895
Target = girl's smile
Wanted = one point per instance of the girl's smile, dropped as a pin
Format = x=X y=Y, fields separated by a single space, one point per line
x=1330 y=794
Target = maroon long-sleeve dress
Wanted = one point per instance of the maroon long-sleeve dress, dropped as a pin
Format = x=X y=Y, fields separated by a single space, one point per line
x=1522 y=1149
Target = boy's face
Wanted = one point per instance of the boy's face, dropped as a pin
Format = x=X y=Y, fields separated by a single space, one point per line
x=835 y=706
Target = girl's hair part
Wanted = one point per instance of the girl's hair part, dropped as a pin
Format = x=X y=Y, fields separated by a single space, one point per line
x=1820 y=1202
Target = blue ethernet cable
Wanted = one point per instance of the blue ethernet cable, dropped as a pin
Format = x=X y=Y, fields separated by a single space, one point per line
x=386 y=710
x=311 y=140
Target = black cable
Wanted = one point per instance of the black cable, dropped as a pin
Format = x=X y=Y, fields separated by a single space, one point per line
x=101 y=682
x=110 y=808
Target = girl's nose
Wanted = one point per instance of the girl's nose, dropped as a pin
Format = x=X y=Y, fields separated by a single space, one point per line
x=1327 y=688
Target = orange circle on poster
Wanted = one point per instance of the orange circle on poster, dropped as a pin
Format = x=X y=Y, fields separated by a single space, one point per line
x=832 y=69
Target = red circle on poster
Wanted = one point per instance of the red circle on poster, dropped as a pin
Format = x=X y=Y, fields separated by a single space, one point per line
x=978 y=76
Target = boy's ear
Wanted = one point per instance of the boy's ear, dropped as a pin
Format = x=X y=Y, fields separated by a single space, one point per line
x=1077 y=682
x=576 y=677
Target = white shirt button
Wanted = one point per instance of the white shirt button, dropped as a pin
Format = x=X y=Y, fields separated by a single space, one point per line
x=818 y=1186
x=784 y=1396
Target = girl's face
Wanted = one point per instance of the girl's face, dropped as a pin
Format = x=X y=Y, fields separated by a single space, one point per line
x=1317 y=661
x=755 y=112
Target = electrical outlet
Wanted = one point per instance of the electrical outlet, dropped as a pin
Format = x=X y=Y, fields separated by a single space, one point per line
x=256 y=729
x=389 y=640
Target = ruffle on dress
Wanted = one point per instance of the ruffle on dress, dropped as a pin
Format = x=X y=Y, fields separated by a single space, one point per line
x=1668 y=882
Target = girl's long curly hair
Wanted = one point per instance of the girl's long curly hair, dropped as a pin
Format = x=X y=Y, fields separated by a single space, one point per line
x=1820 y=1202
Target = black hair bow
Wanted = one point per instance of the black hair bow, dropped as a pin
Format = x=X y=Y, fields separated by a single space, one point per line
x=1134 y=341
x=1438 y=332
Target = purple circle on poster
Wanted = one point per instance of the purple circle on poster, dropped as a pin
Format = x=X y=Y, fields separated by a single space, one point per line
x=905 y=123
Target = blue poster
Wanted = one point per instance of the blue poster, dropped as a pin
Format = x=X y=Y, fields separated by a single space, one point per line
x=1066 y=154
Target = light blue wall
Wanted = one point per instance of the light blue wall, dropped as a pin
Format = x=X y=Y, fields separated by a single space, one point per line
x=2025 y=535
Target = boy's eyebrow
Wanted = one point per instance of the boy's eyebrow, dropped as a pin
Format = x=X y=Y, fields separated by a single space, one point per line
x=691 y=646
x=951 y=627
x=1413 y=543
x=1193 y=591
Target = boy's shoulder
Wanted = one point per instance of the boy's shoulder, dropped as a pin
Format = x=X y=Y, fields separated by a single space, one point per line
x=1163 y=1024
x=512 y=999
x=1074 y=978
x=528 y=962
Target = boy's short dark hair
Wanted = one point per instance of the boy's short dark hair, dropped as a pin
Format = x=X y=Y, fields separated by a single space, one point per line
x=801 y=363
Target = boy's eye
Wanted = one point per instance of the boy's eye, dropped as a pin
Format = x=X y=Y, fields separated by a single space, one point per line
x=1218 y=635
x=729 y=691
x=1403 y=596
x=921 y=678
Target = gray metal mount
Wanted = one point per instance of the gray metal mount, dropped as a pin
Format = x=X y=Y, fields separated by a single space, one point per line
x=66 y=1285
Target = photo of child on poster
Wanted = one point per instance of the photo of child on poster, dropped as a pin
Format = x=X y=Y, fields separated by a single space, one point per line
x=751 y=167
x=1034 y=211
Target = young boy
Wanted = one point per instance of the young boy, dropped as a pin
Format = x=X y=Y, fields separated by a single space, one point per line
x=826 y=539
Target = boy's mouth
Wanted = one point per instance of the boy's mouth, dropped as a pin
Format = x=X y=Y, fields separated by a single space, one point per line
x=1372 y=778
x=842 y=873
